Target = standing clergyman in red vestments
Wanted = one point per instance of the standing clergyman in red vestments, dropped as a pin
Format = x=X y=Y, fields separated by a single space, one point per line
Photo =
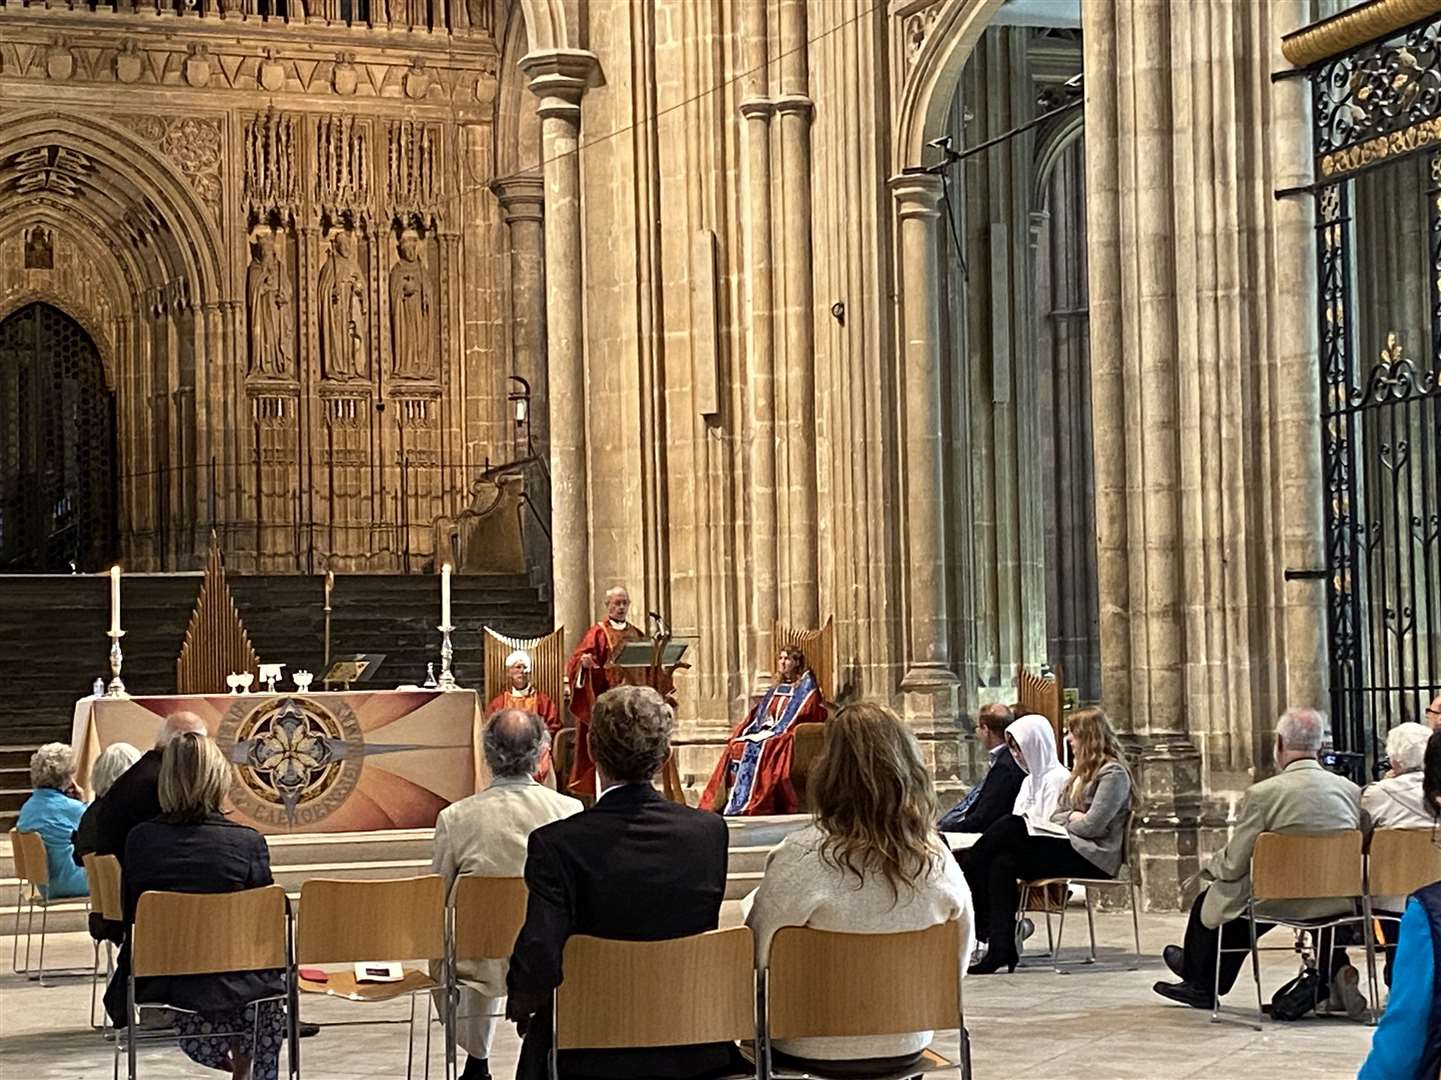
x=589 y=678
x=754 y=775
x=521 y=694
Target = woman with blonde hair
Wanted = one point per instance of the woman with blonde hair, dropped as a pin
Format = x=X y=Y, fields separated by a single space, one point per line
x=1084 y=836
x=869 y=862
x=192 y=848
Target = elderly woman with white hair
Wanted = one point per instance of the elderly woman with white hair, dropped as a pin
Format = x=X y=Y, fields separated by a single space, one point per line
x=109 y=767
x=54 y=810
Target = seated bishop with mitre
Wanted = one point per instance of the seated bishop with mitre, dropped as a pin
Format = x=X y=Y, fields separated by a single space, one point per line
x=754 y=775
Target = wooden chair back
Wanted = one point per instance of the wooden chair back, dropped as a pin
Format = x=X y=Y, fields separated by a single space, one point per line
x=102 y=874
x=345 y=921
x=30 y=864
x=1044 y=696
x=819 y=647
x=657 y=993
x=206 y=933
x=547 y=660
x=810 y=740
x=831 y=985
x=1402 y=861
x=487 y=914
x=1306 y=866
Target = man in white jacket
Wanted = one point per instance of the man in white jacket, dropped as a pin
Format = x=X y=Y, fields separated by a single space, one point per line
x=486 y=835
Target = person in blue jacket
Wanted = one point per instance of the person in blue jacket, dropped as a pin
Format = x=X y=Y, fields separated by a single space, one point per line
x=53 y=810
x=1407 y=1045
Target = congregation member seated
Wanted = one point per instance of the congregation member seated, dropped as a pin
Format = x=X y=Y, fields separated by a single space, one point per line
x=1407 y=1045
x=485 y=835
x=135 y=796
x=870 y=862
x=1302 y=797
x=753 y=776
x=633 y=867
x=54 y=811
x=1396 y=801
x=1433 y=713
x=993 y=798
x=1083 y=836
x=112 y=763
x=191 y=848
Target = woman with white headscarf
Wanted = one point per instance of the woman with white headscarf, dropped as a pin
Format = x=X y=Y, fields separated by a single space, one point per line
x=1066 y=824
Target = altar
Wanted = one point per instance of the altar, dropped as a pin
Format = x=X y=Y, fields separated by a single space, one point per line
x=315 y=762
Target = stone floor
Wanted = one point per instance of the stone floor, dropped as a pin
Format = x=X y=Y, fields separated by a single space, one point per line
x=1100 y=1023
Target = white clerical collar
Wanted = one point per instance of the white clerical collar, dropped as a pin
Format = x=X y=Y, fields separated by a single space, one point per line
x=622 y=625
x=608 y=790
x=527 y=692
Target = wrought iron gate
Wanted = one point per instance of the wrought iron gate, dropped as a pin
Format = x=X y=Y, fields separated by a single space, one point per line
x=57 y=446
x=1378 y=108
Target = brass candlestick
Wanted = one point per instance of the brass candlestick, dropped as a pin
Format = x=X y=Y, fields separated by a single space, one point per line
x=116 y=688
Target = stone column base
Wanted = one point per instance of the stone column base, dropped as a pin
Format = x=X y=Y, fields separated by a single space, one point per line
x=1168 y=818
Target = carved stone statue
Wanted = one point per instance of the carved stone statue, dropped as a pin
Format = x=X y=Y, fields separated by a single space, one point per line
x=342 y=312
x=410 y=335
x=267 y=296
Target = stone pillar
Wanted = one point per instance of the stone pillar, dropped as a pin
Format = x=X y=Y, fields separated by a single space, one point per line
x=558 y=77
x=794 y=109
x=522 y=199
x=760 y=427
x=928 y=674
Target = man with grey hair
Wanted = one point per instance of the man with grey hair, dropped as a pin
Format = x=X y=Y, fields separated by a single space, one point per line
x=485 y=835
x=135 y=797
x=634 y=867
x=1302 y=797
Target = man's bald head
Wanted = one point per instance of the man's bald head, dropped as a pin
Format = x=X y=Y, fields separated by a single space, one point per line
x=513 y=743
x=179 y=723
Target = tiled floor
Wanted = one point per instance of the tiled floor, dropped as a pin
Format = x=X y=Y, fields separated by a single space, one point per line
x=1098 y=1024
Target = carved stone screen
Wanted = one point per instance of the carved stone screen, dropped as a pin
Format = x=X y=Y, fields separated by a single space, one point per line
x=57 y=446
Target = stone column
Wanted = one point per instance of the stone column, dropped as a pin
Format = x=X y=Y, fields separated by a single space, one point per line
x=760 y=427
x=558 y=77
x=522 y=199
x=794 y=109
x=928 y=673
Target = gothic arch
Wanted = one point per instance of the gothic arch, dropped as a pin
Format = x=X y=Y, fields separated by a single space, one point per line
x=939 y=38
x=517 y=124
x=1054 y=141
x=551 y=24
x=146 y=203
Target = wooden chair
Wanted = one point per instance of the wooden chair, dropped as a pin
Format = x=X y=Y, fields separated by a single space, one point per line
x=1399 y=862
x=1126 y=878
x=1301 y=866
x=636 y=994
x=204 y=934
x=818 y=983
x=547 y=657
x=819 y=647
x=810 y=740
x=33 y=872
x=102 y=875
x=1044 y=696
x=349 y=921
x=485 y=915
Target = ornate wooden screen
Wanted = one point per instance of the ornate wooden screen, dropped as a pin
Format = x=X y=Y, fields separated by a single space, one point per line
x=1376 y=110
x=820 y=649
x=216 y=642
x=547 y=658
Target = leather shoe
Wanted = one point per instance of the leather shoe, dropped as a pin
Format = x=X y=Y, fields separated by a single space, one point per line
x=1185 y=994
x=306 y=1031
x=1175 y=958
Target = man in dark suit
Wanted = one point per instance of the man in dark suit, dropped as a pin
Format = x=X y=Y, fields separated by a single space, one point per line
x=634 y=867
x=995 y=796
x=135 y=797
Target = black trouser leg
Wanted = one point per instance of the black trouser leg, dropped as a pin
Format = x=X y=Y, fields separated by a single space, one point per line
x=979 y=862
x=1199 y=965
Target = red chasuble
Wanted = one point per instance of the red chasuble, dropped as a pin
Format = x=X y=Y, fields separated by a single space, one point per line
x=601 y=641
x=533 y=702
x=754 y=774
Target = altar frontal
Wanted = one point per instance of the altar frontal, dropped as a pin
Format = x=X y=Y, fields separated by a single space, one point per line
x=322 y=762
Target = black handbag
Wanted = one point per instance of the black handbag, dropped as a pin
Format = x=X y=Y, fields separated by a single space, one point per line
x=1299 y=996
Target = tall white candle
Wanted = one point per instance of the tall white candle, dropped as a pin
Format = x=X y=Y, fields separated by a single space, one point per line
x=115 y=599
x=445 y=595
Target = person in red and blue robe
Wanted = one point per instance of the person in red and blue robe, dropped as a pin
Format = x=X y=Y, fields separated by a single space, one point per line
x=754 y=774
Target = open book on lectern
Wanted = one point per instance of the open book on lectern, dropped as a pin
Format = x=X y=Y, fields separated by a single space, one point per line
x=641 y=654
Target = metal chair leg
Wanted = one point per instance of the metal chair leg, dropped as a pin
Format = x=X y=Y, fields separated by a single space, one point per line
x=44 y=923
x=1135 y=892
x=1090 y=923
x=1060 y=936
x=428 y=1003
x=15 y=937
x=1256 y=973
x=1216 y=984
x=29 y=931
x=410 y=1042
x=94 y=981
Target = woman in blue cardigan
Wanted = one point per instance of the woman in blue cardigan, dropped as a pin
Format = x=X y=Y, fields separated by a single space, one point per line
x=1407 y=1045
x=53 y=810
